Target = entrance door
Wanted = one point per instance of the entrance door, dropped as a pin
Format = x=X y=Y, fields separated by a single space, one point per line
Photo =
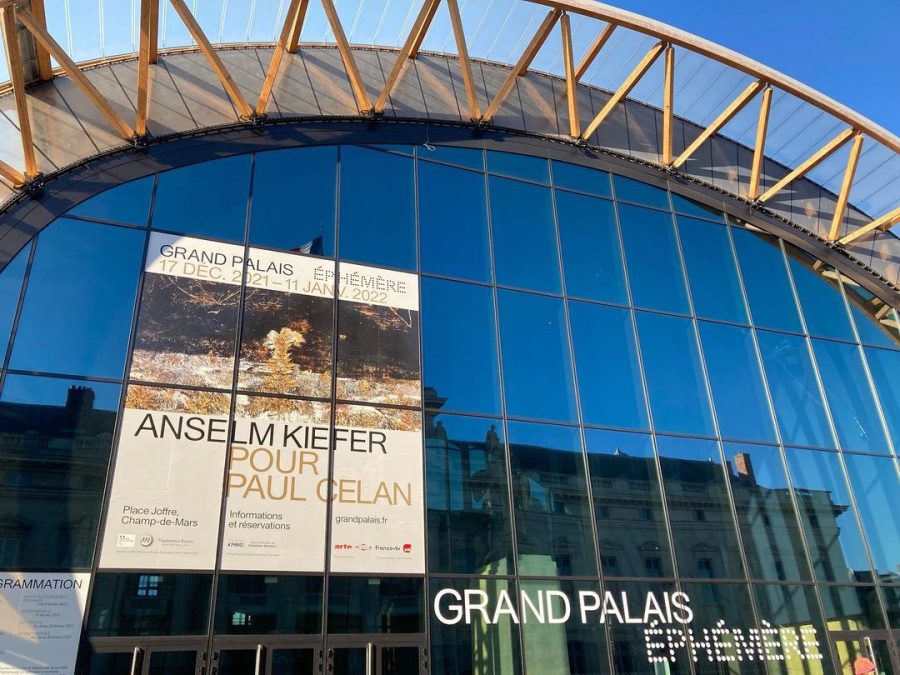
x=266 y=655
x=869 y=653
x=145 y=656
x=376 y=655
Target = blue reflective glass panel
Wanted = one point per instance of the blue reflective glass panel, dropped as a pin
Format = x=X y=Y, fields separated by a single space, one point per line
x=877 y=491
x=885 y=368
x=468 y=157
x=537 y=368
x=737 y=386
x=677 y=391
x=822 y=303
x=849 y=396
x=78 y=306
x=520 y=166
x=460 y=347
x=609 y=378
x=711 y=270
x=207 y=199
x=453 y=222
x=524 y=236
x=592 y=258
x=872 y=331
x=691 y=208
x=795 y=392
x=128 y=203
x=826 y=513
x=581 y=178
x=766 y=281
x=294 y=200
x=377 y=223
x=651 y=253
x=637 y=192
x=10 y=290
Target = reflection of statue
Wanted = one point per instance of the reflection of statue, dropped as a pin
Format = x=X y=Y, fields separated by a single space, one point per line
x=440 y=432
x=491 y=445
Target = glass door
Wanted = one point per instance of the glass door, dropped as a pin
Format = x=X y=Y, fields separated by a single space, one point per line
x=376 y=655
x=266 y=655
x=144 y=656
x=870 y=653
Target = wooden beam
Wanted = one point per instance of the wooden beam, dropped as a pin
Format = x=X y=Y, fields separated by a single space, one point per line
x=297 y=9
x=668 y=105
x=724 y=117
x=215 y=62
x=408 y=51
x=292 y=44
x=359 y=89
x=17 y=78
x=846 y=185
x=524 y=61
x=810 y=163
x=75 y=74
x=145 y=50
x=594 y=49
x=45 y=71
x=630 y=82
x=464 y=63
x=759 y=150
x=571 y=81
x=883 y=223
x=154 y=32
x=15 y=177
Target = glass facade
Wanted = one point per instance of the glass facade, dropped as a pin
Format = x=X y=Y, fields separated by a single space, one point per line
x=646 y=433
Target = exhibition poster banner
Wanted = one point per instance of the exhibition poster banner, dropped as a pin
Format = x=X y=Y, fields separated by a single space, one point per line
x=40 y=621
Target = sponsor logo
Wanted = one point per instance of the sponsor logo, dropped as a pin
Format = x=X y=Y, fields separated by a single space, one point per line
x=342 y=547
x=147 y=540
x=235 y=544
x=363 y=547
x=126 y=541
x=407 y=548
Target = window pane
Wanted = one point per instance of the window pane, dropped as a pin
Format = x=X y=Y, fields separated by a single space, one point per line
x=56 y=304
x=257 y=604
x=794 y=610
x=375 y=605
x=851 y=608
x=460 y=347
x=10 y=290
x=581 y=178
x=520 y=166
x=468 y=157
x=849 y=396
x=742 y=408
x=678 y=396
x=628 y=505
x=711 y=270
x=377 y=223
x=524 y=236
x=692 y=208
x=651 y=253
x=55 y=438
x=822 y=302
x=832 y=534
x=285 y=180
x=706 y=544
x=766 y=519
x=885 y=368
x=553 y=518
x=468 y=505
x=537 y=368
x=453 y=222
x=637 y=192
x=207 y=199
x=881 y=332
x=766 y=281
x=795 y=392
x=877 y=491
x=609 y=378
x=128 y=203
x=592 y=258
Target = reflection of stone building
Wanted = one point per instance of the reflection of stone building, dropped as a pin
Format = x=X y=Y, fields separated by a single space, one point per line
x=53 y=462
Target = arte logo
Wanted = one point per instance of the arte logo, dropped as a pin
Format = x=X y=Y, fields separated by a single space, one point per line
x=147 y=540
x=126 y=541
x=342 y=547
x=407 y=548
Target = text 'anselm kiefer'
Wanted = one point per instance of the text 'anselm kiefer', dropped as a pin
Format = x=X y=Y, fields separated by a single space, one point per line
x=278 y=461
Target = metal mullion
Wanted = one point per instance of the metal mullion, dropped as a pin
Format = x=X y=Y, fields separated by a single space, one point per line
x=17 y=313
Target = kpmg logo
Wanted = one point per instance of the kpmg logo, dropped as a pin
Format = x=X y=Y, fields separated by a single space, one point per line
x=235 y=544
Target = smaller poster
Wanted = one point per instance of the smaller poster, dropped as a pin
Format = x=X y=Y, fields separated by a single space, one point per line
x=40 y=621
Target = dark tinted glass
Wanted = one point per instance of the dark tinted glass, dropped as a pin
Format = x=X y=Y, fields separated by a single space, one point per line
x=377 y=222
x=877 y=491
x=627 y=505
x=520 y=166
x=581 y=178
x=794 y=611
x=885 y=368
x=592 y=258
x=553 y=518
x=373 y=605
x=468 y=157
x=10 y=290
x=149 y=604
x=55 y=438
x=261 y=604
x=651 y=253
x=460 y=347
x=208 y=199
x=692 y=208
x=767 y=521
x=849 y=396
x=468 y=505
x=742 y=409
x=851 y=608
x=609 y=378
x=832 y=534
x=706 y=544
x=91 y=304
x=524 y=236
x=294 y=200
x=766 y=281
x=795 y=392
x=537 y=368
x=453 y=222
x=128 y=203
x=822 y=303
x=638 y=192
x=711 y=270
x=678 y=398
